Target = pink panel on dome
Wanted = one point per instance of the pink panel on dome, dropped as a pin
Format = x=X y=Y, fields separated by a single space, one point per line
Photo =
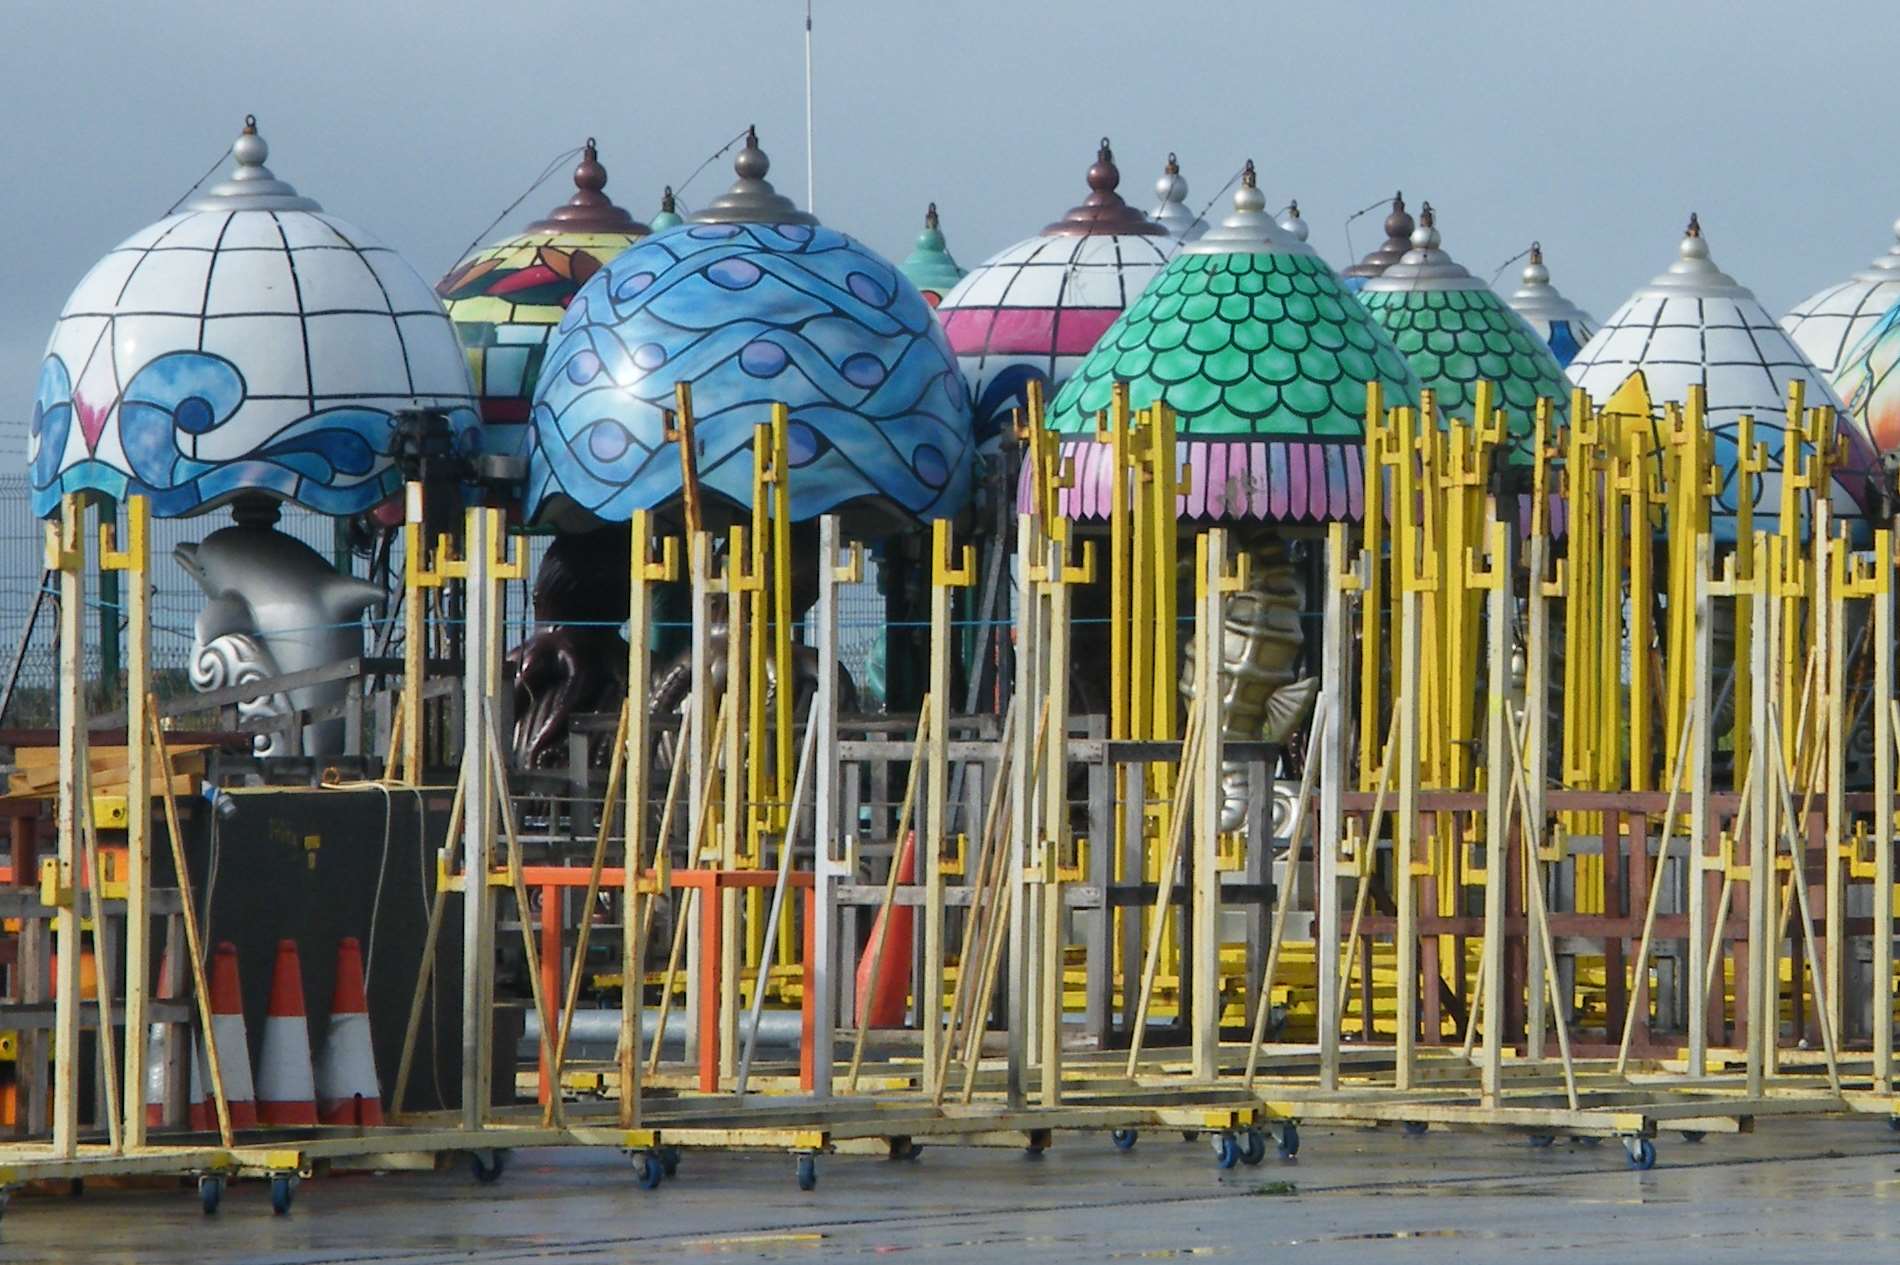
x=1277 y=481
x=1299 y=484
x=1077 y=329
x=1257 y=479
x=1356 y=488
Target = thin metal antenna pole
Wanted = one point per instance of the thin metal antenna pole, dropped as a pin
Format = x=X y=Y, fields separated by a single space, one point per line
x=811 y=196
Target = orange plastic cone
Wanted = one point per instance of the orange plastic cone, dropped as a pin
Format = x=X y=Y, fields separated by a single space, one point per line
x=885 y=998
x=347 y=1091
x=234 y=1049
x=286 y=1083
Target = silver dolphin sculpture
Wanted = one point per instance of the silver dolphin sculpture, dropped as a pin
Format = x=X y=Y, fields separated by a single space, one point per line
x=276 y=606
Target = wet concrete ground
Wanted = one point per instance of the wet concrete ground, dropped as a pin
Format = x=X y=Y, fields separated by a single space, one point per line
x=1794 y=1191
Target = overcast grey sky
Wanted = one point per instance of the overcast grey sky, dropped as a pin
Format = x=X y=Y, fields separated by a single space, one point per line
x=1594 y=126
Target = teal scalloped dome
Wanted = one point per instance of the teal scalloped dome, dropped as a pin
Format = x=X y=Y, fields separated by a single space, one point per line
x=1265 y=359
x=1246 y=334
x=1456 y=332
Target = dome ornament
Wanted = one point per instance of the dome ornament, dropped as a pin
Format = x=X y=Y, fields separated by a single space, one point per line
x=1171 y=210
x=1291 y=222
x=1249 y=229
x=1398 y=239
x=590 y=210
x=1425 y=266
x=251 y=186
x=1104 y=212
x=752 y=199
x=1695 y=274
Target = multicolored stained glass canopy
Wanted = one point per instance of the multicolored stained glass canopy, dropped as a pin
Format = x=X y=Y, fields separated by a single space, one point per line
x=506 y=299
x=250 y=344
x=1456 y=332
x=1827 y=325
x=752 y=303
x=1696 y=325
x=1563 y=326
x=929 y=265
x=1251 y=339
x=1033 y=311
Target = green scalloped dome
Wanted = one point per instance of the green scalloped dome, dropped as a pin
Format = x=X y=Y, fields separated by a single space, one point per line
x=1258 y=345
x=1456 y=332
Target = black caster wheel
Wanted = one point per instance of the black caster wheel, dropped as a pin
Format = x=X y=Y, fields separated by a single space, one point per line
x=1588 y=1141
x=1226 y=1151
x=1253 y=1146
x=282 y=1191
x=1189 y=1135
x=1416 y=1128
x=487 y=1165
x=1893 y=1122
x=1124 y=1139
x=1289 y=1140
x=1693 y=1135
x=210 y=1192
x=905 y=1149
x=1641 y=1152
x=1542 y=1140
x=669 y=1157
x=649 y=1170
x=807 y=1172
x=1038 y=1143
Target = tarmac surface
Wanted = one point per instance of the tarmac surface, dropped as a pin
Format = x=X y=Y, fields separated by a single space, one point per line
x=1806 y=1191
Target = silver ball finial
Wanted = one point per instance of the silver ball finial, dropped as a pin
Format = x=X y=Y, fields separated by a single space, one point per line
x=1535 y=274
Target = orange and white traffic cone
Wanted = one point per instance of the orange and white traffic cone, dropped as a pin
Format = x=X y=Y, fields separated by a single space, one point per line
x=286 y=1083
x=347 y=1091
x=234 y=1049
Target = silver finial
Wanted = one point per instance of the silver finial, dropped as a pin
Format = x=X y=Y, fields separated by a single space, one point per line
x=251 y=186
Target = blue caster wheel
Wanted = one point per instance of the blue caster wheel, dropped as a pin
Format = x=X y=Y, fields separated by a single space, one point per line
x=649 y=1170
x=807 y=1172
x=1416 y=1128
x=1226 y=1151
x=282 y=1190
x=210 y=1192
x=1693 y=1135
x=1253 y=1147
x=1542 y=1140
x=487 y=1165
x=1642 y=1153
x=669 y=1157
x=1893 y=1122
x=1124 y=1139
x=1289 y=1140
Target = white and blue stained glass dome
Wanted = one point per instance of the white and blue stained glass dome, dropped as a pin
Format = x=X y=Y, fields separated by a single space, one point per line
x=753 y=303
x=249 y=344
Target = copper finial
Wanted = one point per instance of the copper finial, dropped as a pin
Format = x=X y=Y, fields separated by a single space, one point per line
x=1174 y=165
x=1537 y=252
x=930 y=216
x=1398 y=240
x=666 y=199
x=250 y=125
x=1247 y=176
x=1426 y=219
x=1695 y=226
x=752 y=199
x=1104 y=212
x=590 y=210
